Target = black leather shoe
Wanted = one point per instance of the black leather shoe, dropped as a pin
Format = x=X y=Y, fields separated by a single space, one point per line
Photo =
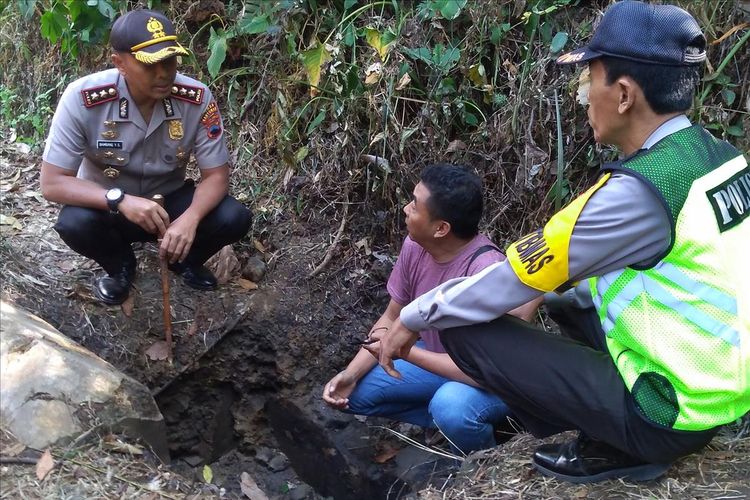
x=198 y=277
x=584 y=460
x=114 y=288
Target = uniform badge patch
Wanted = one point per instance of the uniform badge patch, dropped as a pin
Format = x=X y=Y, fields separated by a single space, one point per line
x=124 y=108
x=111 y=172
x=187 y=93
x=98 y=95
x=211 y=120
x=175 y=130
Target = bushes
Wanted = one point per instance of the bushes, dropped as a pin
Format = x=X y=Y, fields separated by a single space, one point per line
x=308 y=87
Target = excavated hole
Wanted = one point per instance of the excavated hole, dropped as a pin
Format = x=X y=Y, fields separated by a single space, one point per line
x=233 y=404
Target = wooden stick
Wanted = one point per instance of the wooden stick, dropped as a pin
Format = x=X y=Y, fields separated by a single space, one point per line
x=339 y=233
x=166 y=307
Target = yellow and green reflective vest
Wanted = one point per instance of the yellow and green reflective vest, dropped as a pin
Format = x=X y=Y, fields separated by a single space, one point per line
x=679 y=331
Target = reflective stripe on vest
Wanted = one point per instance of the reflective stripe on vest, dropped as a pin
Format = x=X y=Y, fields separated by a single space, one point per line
x=640 y=283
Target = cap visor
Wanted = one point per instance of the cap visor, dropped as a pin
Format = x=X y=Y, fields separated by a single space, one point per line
x=578 y=56
x=160 y=51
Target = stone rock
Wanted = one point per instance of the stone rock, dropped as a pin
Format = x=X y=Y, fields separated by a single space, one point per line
x=52 y=389
x=263 y=455
x=301 y=492
x=279 y=463
x=255 y=269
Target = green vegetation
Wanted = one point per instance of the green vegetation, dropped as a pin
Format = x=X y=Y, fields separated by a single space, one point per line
x=327 y=101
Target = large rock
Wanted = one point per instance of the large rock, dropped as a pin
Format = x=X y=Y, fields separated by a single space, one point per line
x=52 y=389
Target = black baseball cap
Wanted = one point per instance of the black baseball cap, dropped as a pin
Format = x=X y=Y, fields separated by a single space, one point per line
x=146 y=34
x=646 y=33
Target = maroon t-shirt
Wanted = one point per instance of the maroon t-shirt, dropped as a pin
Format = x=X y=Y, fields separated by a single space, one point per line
x=416 y=272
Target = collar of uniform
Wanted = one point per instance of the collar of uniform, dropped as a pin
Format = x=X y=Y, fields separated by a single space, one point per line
x=669 y=127
x=125 y=110
x=160 y=114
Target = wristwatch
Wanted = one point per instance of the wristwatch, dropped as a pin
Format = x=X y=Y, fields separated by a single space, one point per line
x=114 y=196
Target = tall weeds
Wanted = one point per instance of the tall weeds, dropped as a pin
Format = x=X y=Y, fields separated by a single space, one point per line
x=311 y=87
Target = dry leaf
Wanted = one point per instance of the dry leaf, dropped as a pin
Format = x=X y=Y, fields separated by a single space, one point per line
x=364 y=244
x=250 y=488
x=456 y=145
x=7 y=220
x=381 y=162
x=128 y=306
x=14 y=450
x=224 y=264
x=373 y=72
x=259 y=246
x=385 y=455
x=44 y=465
x=158 y=351
x=512 y=69
x=247 y=284
x=584 y=85
x=403 y=81
x=122 y=447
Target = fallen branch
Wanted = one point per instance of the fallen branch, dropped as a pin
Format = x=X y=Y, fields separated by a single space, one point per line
x=336 y=239
x=18 y=460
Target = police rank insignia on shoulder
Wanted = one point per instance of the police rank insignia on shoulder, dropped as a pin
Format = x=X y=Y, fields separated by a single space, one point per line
x=99 y=95
x=211 y=120
x=187 y=93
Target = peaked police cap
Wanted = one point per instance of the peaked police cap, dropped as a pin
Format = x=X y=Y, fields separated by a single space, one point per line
x=147 y=34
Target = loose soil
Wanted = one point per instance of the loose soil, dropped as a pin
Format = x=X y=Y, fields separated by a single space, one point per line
x=242 y=392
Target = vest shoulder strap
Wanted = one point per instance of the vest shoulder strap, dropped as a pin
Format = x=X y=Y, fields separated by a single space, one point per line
x=479 y=251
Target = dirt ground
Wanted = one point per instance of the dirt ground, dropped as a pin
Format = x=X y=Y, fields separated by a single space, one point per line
x=249 y=362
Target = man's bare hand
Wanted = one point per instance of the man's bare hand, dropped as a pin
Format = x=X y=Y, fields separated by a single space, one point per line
x=336 y=392
x=146 y=213
x=178 y=239
x=395 y=344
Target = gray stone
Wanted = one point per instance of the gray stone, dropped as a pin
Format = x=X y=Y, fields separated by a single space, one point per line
x=279 y=463
x=300 y=492
x=255 y=269
x=52 y=389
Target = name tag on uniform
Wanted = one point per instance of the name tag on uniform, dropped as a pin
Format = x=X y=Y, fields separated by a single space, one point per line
x=109 y=144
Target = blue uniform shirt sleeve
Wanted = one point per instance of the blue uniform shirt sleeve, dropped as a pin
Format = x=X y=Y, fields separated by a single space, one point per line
x=66 y=142
x=210 y=145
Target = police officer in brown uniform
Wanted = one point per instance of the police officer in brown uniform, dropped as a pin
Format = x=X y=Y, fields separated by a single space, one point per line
x=122 y=135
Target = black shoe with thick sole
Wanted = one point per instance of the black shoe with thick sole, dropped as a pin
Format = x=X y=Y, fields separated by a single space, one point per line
x=198 y=277
x=113 y=289
x=587 y=461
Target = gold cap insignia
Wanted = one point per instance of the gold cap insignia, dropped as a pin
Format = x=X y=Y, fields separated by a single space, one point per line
x=156 y=28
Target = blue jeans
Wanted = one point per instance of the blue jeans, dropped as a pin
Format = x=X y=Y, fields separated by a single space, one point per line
x=465 y=414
